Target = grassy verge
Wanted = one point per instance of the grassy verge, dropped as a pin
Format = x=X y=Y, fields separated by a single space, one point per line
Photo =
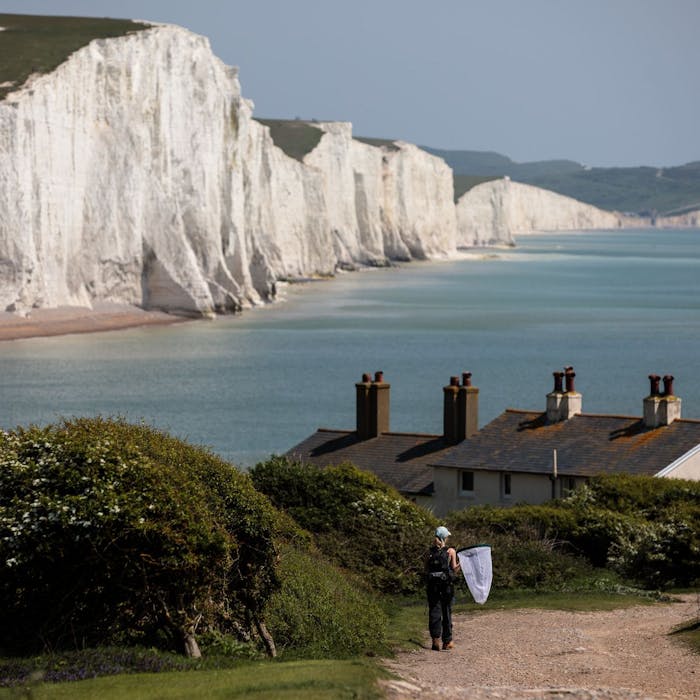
x=463 y=183
x=264 y=680
x=311 y=679
x=38 y=44
x=294 y=136
x=690 y=635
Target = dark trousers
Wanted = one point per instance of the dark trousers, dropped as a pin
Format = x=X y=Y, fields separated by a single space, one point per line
x=440 y=612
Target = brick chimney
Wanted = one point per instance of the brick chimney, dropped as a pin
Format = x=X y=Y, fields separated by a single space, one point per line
x=563 y=402
x=555 y=397
x=372 y=406
x=449 y=411
x=362 y=406
x=573 y=401
x=467 y=408
x=661 y=408
x=460 y=409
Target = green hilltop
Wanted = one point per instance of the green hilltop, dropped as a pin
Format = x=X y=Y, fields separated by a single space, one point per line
x=39 y=44
x=643 y=190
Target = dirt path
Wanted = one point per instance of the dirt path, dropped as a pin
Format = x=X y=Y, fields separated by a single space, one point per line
x=538 y=654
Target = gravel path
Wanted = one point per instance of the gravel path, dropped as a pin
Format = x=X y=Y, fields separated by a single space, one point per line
x=623 y=654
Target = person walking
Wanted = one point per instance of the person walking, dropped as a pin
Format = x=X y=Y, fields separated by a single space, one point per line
x=441 y=567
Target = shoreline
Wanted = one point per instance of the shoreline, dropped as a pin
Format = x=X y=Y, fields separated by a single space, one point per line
x=68 y=320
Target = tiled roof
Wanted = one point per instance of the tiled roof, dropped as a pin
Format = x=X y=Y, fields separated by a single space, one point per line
x=586 y=445
x=399 y=459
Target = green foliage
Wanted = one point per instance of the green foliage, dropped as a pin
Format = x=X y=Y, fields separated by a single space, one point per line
x=526 y=553
x=114 y=533
x=358 y=521
x=321 y=612
x=387 y=144
x=295 y=137
x=645 y=529
x=645 y=190
x=463 y=183
x=39 y=44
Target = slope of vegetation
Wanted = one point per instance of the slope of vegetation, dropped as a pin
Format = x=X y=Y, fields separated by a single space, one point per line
x=121 y=545
x=294 y=136
x=378 y=143
x=38 y=44
x=113 y=533
x=356 y=520
x=644 y=190
x=643 y=530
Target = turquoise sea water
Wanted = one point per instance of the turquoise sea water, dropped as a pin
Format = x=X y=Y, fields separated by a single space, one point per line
x=615 y=305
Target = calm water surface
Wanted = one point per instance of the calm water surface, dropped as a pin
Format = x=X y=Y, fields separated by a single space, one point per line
x=615 y=305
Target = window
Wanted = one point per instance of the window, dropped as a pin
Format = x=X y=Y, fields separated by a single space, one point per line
x=466 y=483
x=505 y=486
x=568 y=485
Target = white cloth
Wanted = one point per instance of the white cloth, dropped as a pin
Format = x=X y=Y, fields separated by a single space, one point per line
x=478 y=573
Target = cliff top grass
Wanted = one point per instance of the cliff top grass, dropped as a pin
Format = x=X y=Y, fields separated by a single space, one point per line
x=463 y=183
x=379 y=143
x=39 y=44
x=295 y=137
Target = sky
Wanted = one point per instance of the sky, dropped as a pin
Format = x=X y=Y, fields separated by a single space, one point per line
x=601 y=82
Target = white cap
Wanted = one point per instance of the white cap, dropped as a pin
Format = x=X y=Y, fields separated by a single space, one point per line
x=442 y=533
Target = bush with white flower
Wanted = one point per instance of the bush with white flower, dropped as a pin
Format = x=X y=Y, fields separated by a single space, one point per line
x=120 y=533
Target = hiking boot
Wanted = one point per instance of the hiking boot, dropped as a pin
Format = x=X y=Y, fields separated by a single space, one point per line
x=436 y=644
x=448 y=645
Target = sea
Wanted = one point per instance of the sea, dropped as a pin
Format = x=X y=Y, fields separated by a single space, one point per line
x=616 y=305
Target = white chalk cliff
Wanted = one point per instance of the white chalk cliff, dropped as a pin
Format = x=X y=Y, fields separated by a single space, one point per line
x=135 y=173
x=497 y=211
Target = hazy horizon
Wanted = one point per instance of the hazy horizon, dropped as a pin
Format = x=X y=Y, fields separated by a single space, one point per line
x=607 y=84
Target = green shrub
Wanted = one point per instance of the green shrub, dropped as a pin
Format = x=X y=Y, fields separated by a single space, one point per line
x=649 y=496
x=524 y=553
x=116 y=533
x=321 y=612
x=645 y=529
x=658 y=554
x=358 y=521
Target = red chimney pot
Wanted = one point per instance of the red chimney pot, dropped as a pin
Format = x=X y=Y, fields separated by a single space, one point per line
x=466 y=378
x=569 y=375
x=558 y=379
x=654 y=380
x=668 y=385
x=366 y=378
x=378 y=377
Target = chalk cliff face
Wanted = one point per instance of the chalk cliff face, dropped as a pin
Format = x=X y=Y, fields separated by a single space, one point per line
x=691 y=218
x=497 y=211
x=135 y=173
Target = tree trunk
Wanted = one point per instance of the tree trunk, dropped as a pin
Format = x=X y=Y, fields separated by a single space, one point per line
x=265 y=635
x=191 y=646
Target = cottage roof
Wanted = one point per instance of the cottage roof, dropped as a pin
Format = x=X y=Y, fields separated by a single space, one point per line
x=586 y=445
x=399 y=459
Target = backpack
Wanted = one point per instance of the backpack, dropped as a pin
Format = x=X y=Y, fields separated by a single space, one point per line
x=438 y=566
